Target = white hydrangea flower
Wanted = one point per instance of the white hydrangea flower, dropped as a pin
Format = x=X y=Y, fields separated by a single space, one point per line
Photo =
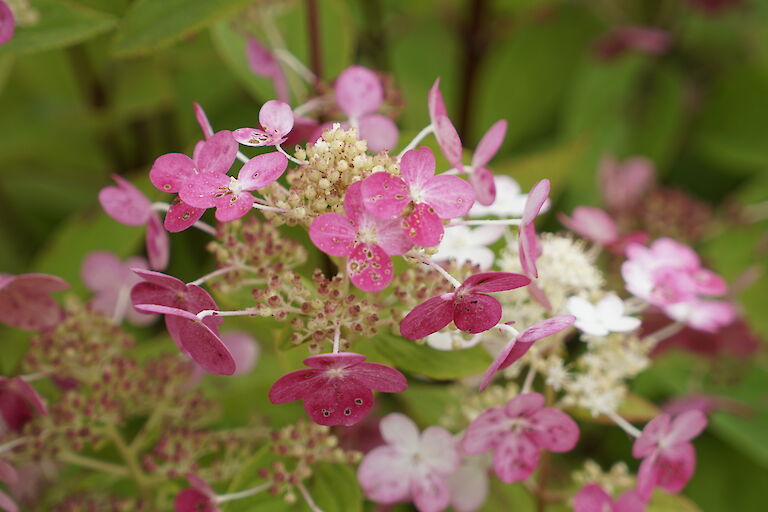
x=462 y=243
x=602 y=318
x=451 y=340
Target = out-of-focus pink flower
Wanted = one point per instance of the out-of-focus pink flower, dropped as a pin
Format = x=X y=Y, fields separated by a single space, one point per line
x=735 y=339
x=517 y=432
x=244 y=350
x=411 y=466
x=481 y=177
x=434 y=197
x=365 y=240
x=623 y=185
x=469 y=307
x=7 y=23
x=528 y=243
x=7 y=504
x=276 y=120
x=593 y=498
x=26 y=302
x=668 y=456
x=359 y=95
x=263 y=63
x=469 y=484
x=621 y=40
x=18 y=403
x=597 y=226
x=445 y=133
x=200 y=497
x=111 y=281
x=519 y=345
x=9 y=477
x=337 y=388
x=715 y=7
x=702 y=315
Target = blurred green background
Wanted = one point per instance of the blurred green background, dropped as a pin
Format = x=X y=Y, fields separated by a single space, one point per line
x=89 y=88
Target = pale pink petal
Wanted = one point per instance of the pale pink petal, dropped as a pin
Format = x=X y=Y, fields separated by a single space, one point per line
x=476 y=312
x=490 y=143
x=430 y=491
x=7 y=23
x=484 y=185
x=354 y=206
x=536 y=199
x=294 y=386
x=276 y=118
x=333 y=234
x=170 y=172
x=262 y=170
x=515 y=458
x=244 y=350
x=198 y=339
x=528 y=247
x=487 y=282
x=469 y=488
x=125 y=203
x=391 y=237
x=486 y=431
x=438 y=450
x=338 y=401
x=450 y=196
x=709 y=283
x=675 y=467
x=385 y=475
x=593 y=224
x=629 y=501
x=6 y=503
x=202 y=120
x=546 y=328
x=400 y=431
x=553 y=430
x=435 y=102
x=647 y=476
x=652 y=434
x=379 y=377
x=379 y=131
x=423 y=227
x=538 y=295
x=260 y=59
x=369 y=267
x=685 y=427
x=158 y=243
x=180 y=216
x=449 y=141
x=417 y=166
x=255 y=137
x=101 y=270
x=25 y=303
x=385 y=195
x=202 y=190
x=592 y=498
x=428 y=317
x=358 y=91
x=8 y=475
x=217 y=154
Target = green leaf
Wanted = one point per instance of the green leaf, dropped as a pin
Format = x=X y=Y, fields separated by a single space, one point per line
x=554 y=163
x=152 y=25
x=62 y=23
x=248 y=477
x=663 y=502
x=424 y=360
x=335 y=489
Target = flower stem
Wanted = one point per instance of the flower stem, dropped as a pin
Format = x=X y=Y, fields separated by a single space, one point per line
x=243 y=494
x=289 y=157
x=419 y=136
x=308 y=498
x=214 y=312
x=528 y=380
x=336 y=339
x=486 y=222
x=665 y=332
x=94 y=464
x=10 y=445
x=624 y=424
x=134 y=469
x=440 y=269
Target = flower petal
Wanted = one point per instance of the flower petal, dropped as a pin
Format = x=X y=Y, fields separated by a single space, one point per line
x=449 y=141
x=592 y=498
x=125 y=203
x=476 y=312
x=428 y=317
x=202 y=120
x=423 y=227
x=369 y=267
x=438 y=450
x=161 y=280
x=484 y=185
x=338 y=360
x=536 y=198
x=429 y=490
x=385 y=195
x=170 y=172
x=435 y=102
x=255 y=138
x=652 y=434
x=490 y=143
x=546 y=328
x=217 y=153
x=244 y=350
x=180 y=216
x=524 y=405
x=7 y=23
x=100 y=270
x=333 y=234
x=385 y=475
x=469 y=487
x=276 y=118
x=450 y=196
x=685 y=427
x=486 y=431
x=6 y=503
x=593 y=224
x=379 y=377
x=528 y=247
x=8 y=475
x=358 y=91
x=379 y=131
x=553 y=430
x=234 y=206
x=675 y=467
x=515 y=458
x=158 y=243
x=391 y=237
x=353 y=203
x=400 y=431
x=260 y=59
x=202 y=190
x=630 y=501
x=417 y=166
x=487 y=282
x=338 y=401
x=294 y=386
x=25 y=303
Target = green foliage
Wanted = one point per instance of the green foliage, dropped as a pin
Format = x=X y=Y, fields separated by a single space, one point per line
x=335 y=489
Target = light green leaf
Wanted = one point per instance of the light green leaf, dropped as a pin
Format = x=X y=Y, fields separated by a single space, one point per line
x=334 y=488
x=663 y=502
x=62 y=23
x=553 y=163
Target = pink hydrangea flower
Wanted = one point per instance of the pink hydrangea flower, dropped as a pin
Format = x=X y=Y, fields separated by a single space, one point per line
x=593 y=498
x=469 y=484
x=528 y=243
x=702 y=315
x=648 y=40
x=10 y=477
x=519 y=345
x=111 y=281
x=597 y=226
x=517 y=432
x=244 y=350
x=231 y=196
x=170 y=173
x=18 y=403
x=411 y=466
x=6 y=503
x=337 y=388
x=624 y=184
x=263 y=63
x=276 y=120
x=26 y=302
x=668 y=456
x=433 y=197
x=359 y=95
x=200 y=497
x=469 y=307
x=7 y=23
x=365 y=240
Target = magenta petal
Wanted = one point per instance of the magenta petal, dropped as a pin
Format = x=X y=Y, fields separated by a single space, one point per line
x=294 y=386
x=647 y=476
x=217 y=154
x=180 y=216
x=524 y=405
x=8 y=474
x=160 y=279
x=546 y=328
x=262 y=170
x=125 y=203
x=486 y=431
x=592 y=498
x=430 y=491
x=487 y=282
x=158 y=244
x=449 y=141
x=202 y=190
x=385 y=195
x=428 y=317
x=379 y=377
x=675 y=467
x=276 y=118
x=198 y=339
x=379 y=131
x=339 y=401
x=329 y=361
x=333 y=234
x=170 y=172
x=369 y=267
x=202 y=120
x=630 y=501
x=593 y=224
x=528 y=247
x=7 y=23
x=353 y=202
x=450 y=196
x=536 y=199
x=29 y=394
x=197 y=299
x=358 y=91
x=6 y=503
x=417 y=166
x=475 y=313
x=25 y=303
x=489 y=144
x=484 y=186
x=553 y=430
x=686 y=426
x=233 y=206
x=651 y=435
x=709 y=283
x=515 y=458
x=423 y=227
x=194 y=500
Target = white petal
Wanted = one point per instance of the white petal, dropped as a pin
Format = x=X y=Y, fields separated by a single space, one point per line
x=610 y=306
x=438 y=449
x=591 y=327
x=400 y=431
x=581 y=308
x=469 y=487
x=623 y=324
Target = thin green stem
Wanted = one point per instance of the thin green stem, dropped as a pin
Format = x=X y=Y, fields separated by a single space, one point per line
x=128 y=455
x=94 y=464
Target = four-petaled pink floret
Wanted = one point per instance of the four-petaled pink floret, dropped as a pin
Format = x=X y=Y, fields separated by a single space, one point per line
x=276 y=120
